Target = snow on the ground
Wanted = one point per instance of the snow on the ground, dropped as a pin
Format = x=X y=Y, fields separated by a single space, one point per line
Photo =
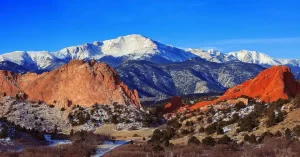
x=226 y=129
x=56 y=142
x=108 y=146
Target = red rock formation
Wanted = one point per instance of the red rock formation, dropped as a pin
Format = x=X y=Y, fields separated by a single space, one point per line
x=74 y=83
x=175 y=104
x=270 y=85
x=8 y=83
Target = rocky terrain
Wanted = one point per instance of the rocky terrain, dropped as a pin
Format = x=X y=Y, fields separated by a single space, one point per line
x=193 y=76
x=33 y=115
x=270 y=85
x=250 y=115
x=76 y=83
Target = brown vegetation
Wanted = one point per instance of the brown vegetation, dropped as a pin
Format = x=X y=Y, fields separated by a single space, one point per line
x=273 y=147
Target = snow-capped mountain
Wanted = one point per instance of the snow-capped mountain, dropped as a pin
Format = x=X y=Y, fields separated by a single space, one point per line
x=255 y=57
x=115 y=51
x=265 y=60
x=134 y=47
x=212 y=55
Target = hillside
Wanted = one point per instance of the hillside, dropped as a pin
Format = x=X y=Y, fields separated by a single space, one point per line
x=76 y=83
x=196 y=75
x=270 y=85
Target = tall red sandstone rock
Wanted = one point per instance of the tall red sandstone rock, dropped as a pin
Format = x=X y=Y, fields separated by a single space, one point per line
x=270 y=85
x=175 y=104
x=74 y=83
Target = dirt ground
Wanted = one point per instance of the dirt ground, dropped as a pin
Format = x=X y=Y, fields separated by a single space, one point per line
x=136 y=135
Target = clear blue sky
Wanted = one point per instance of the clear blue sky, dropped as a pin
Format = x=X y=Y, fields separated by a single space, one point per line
x=270 y=26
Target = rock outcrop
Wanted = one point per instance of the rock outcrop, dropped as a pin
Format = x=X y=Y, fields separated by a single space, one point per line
x=270 y=85
x=33 y=115
x=175 y=104
x=78 y=82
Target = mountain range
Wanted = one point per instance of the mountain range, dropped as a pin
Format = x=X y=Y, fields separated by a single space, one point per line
x=134 y=47
x=153 y=68
x=193 y=76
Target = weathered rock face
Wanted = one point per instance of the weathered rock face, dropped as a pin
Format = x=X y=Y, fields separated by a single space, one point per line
x=270 y=85
x=175 y=104
x=74 y=83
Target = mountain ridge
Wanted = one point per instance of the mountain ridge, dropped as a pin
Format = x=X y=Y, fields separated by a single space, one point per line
x=135 y=47
x=189 y=77
x=130 y=47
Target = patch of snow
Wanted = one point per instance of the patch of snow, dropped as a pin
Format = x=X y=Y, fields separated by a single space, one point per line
x=108 y=146
x=55 y=142
x=226 y=129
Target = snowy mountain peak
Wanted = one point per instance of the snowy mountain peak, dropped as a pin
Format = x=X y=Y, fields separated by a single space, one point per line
x=97 y=43
x=254 y=57
x=212 y=55
x=130 y=44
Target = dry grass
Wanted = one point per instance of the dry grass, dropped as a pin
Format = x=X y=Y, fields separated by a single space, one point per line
x=84 y=145
x=74 y=150
x=271 y=147
x=109 y=129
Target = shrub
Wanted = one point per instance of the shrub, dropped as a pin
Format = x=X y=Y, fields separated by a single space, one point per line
x=252 y=139
x=71 y=132
x=224 y=140
x=174 y=123
x=167 y=143
x=189 y=123
x=273 y=119
x=193 y=141
x=296 y=130
x=239 y=105
x=297 y=101
x=235 y=118
x=278 y=134
x=209 y=120
x=156 y=137
x=114 y=119
x=168 y=133
x=199 y=119
x=248 y=122
x=246 y=138
x=185 y=132
x=219 y=130
x=4 y=131
x=259 y=108
x=288 y=133
x=201 y=130
x=209 y=141
x=211 y=129
x=264 y=135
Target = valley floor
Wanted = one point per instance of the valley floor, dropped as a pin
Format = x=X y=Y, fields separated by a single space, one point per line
x=137 y=135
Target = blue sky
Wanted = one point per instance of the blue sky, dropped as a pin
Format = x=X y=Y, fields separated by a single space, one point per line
x=270 y=26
